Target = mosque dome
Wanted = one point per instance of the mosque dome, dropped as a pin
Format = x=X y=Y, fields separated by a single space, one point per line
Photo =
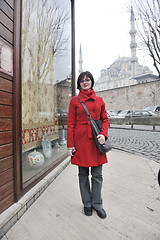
x=122 y=59
x=103 y=70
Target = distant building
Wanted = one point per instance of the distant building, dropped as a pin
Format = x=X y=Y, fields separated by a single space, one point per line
x=80 y=60
x=64 y=93
x=125 y=71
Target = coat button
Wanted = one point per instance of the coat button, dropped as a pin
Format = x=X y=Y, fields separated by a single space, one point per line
x=94 y=111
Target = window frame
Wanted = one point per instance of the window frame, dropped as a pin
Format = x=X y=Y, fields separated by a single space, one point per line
x=20 y=188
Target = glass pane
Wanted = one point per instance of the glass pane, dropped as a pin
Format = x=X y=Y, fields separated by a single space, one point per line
x=46 y=82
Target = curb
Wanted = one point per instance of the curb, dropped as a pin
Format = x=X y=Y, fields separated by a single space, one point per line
x=10 y=216
x=134 y=129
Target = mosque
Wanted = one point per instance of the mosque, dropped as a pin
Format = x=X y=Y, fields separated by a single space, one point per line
x=125 y=71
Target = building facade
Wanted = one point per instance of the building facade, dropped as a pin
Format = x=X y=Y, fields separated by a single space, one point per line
x=32 y=64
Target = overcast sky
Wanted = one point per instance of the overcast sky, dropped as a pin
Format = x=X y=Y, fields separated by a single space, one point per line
x=102 y=28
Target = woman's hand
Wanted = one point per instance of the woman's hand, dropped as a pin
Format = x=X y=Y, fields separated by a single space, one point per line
x=70 y=151
x=101 y=138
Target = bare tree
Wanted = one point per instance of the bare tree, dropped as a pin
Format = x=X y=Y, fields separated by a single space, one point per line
x=147 y=14
x=45 y=34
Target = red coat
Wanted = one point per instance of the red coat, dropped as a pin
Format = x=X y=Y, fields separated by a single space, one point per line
x=79 y=133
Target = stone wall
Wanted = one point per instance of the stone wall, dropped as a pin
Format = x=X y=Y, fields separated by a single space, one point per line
x=136 y=120
x=133 y=97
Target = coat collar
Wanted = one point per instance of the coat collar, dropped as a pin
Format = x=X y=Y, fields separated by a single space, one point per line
x=84 y=95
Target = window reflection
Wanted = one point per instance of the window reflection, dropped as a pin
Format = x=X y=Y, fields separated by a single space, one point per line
x=46 y=82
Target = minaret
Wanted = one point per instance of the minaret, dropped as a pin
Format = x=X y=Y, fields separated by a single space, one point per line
x=80 y=60
x=133 y=44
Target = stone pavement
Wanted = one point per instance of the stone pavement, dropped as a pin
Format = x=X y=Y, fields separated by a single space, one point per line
x=142 y=143
x=131 y=197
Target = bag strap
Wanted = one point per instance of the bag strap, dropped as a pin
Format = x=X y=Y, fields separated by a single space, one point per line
x=85 y=108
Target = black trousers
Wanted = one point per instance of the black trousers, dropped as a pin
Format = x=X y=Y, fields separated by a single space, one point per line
x=91 y=190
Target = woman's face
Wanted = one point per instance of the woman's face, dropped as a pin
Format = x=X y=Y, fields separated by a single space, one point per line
x=86 y=83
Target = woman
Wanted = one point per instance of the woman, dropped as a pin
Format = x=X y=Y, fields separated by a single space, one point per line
x=81 y=145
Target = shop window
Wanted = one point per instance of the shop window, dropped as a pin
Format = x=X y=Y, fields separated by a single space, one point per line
x=46 y=83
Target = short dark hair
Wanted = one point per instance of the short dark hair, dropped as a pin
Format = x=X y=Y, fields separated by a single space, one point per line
x=81 y=76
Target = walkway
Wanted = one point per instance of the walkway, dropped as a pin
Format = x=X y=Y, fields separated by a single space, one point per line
x=131 y=197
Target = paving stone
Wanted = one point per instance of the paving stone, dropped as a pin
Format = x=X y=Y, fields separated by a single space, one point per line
x=145 y=143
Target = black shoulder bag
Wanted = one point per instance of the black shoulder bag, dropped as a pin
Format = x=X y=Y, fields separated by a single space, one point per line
x=96 y=126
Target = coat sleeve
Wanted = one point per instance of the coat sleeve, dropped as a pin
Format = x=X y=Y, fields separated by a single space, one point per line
x=71 y=124
x=105 y=120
